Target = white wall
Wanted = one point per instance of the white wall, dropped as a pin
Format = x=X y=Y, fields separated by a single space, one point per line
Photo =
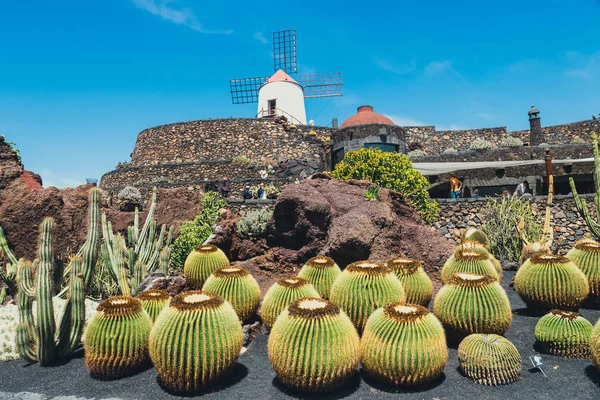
x=289 y=100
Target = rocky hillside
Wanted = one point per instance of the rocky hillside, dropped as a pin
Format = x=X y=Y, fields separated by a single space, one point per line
x=11 y=168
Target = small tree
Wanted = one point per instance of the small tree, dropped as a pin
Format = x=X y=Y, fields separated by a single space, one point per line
x=389 y=170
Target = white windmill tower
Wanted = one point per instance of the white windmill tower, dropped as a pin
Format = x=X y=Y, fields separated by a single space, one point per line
x=280 y=94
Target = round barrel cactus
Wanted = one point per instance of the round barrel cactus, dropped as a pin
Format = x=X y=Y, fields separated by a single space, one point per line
x=595 y=345
x=153 y=301
x=564 y=333
x=548 y=281
x=472 y=304
x=116 y=339
x=195 y=342
x=469 y=261
x=237 y=286
x=489 y=359
x=532 y=249
x=363 y=287
x=201 y=262
x=281 y=294
x=415 y=281
x=313 y=346
x=476 y=235
x=321 y=271
x=586 y=255
x=404 y=345
x=480 y=248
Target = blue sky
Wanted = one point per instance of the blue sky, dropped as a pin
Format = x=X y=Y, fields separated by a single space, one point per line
x=80 y=79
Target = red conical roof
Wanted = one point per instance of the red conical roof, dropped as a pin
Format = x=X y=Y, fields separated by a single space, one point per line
x=280 y=76
x=366 y=115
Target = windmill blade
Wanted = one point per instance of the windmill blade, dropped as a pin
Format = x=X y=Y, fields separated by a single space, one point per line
x=284 y=51
x=322 y=85
x=245 y=90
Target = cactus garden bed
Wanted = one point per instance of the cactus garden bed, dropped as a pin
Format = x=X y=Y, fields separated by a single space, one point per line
x=254 y=377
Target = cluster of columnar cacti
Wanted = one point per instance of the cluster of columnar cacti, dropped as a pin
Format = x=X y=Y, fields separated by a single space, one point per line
x=468 y=261
x=595 y=345
x=489 y=359
x=201 y=262
x=237 y=286
x=564 y=333
x=130 y=260
x=473 y=304
x=580 y=203
x=116 y=339
x=313 y=346
x=404 y=345
x=153 y=301
x=195 y=341
x=281 y=294
x=548 y=281
x=586 y=255
x=321 y=272
x=417 y=285
x=363 y=287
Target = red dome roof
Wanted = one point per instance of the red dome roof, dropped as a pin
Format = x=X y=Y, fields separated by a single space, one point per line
x=365 y=115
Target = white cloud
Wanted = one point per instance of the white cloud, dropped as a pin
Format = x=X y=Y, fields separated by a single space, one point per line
x=260 y=37
x=404 y=121
x=583 y=66
x=51 y=178
x=396 y=68
x=184 y=16
x=437 y=67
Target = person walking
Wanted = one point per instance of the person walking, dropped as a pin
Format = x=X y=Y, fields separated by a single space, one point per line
x=455 y=187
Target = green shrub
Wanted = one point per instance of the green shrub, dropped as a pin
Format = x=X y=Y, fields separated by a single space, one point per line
x=511 y=141
x=194 y=233
x=450 y=150
x=578 y=141
x=480 y=144
x=500 y=217
x=241 y=159
x=390 y=170
x=254 y=223
x=415 y=154
x=372 y=193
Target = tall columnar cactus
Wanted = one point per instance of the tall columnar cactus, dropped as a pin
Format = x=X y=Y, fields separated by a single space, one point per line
x=164 y=259
x=237 y=286
x=595 y=345
x=116 y=340
x=195 y=341
x=321 y=271
x=363 y=287
x=548 y=281
x=313 y=346
x=9 y=277
x=153 y=301
x=201 y=262
x=581 y=204
x=480 y=248
x=417 y=285
x=564 y=333
x=472 y=304
x=281 y=294
x=468 y=261
x=586 y=255
x=404 y=345
x=489 y=359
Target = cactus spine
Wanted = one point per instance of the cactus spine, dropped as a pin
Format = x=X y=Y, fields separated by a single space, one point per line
x=472 y=304
x=468 y=261
x=237 y=286
x=363 y=287
x=281 y=294
x=116 y=340
x=201 y=262
x=46 y=327
x=404 y=345
x=153 y=301
x=195 y=341
x=313 y=346
x=416 y=283
x=10 y=276
x=564 y=333
x=586 y=255
x=548 y=281
x=321 y=272
x=489 y=359
x=595 y=345
x=480 y=248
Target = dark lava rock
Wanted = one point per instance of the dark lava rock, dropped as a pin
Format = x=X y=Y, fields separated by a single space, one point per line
x=172 y=284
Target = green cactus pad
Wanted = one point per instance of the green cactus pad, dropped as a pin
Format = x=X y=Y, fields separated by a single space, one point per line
x=548 y=281
x=154 y=301
x=404 y=345
x=415 y=281
x=564 y=333
x=281 y=294
x=321 y=272
x=237 y=286
x=489 y=359
x=468 y=261
x=195 y=342
x=363 y=287
x=116 y=339
x=586 y=255
x=480 y=248
x=472 y=304
x=476 y=235
x=202 y=262
x=595 y=345
x=313 y=346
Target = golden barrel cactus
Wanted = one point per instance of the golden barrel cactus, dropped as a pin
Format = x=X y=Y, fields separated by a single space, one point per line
x=417 y=285
x=153 y=301
x=201 y=262
x=564 y=333
x=468 y=261
x=586 y=255
x=595 y=345
x=281 y=294
x=321 y=272
x=489 y=359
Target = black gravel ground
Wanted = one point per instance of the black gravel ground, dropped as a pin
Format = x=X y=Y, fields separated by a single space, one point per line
x=254 y=378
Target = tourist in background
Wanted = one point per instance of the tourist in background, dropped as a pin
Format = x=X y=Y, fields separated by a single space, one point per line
x=247 y=193
x=475 y=194
x=455 y=187
x=522 y=188
x=261 y=192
